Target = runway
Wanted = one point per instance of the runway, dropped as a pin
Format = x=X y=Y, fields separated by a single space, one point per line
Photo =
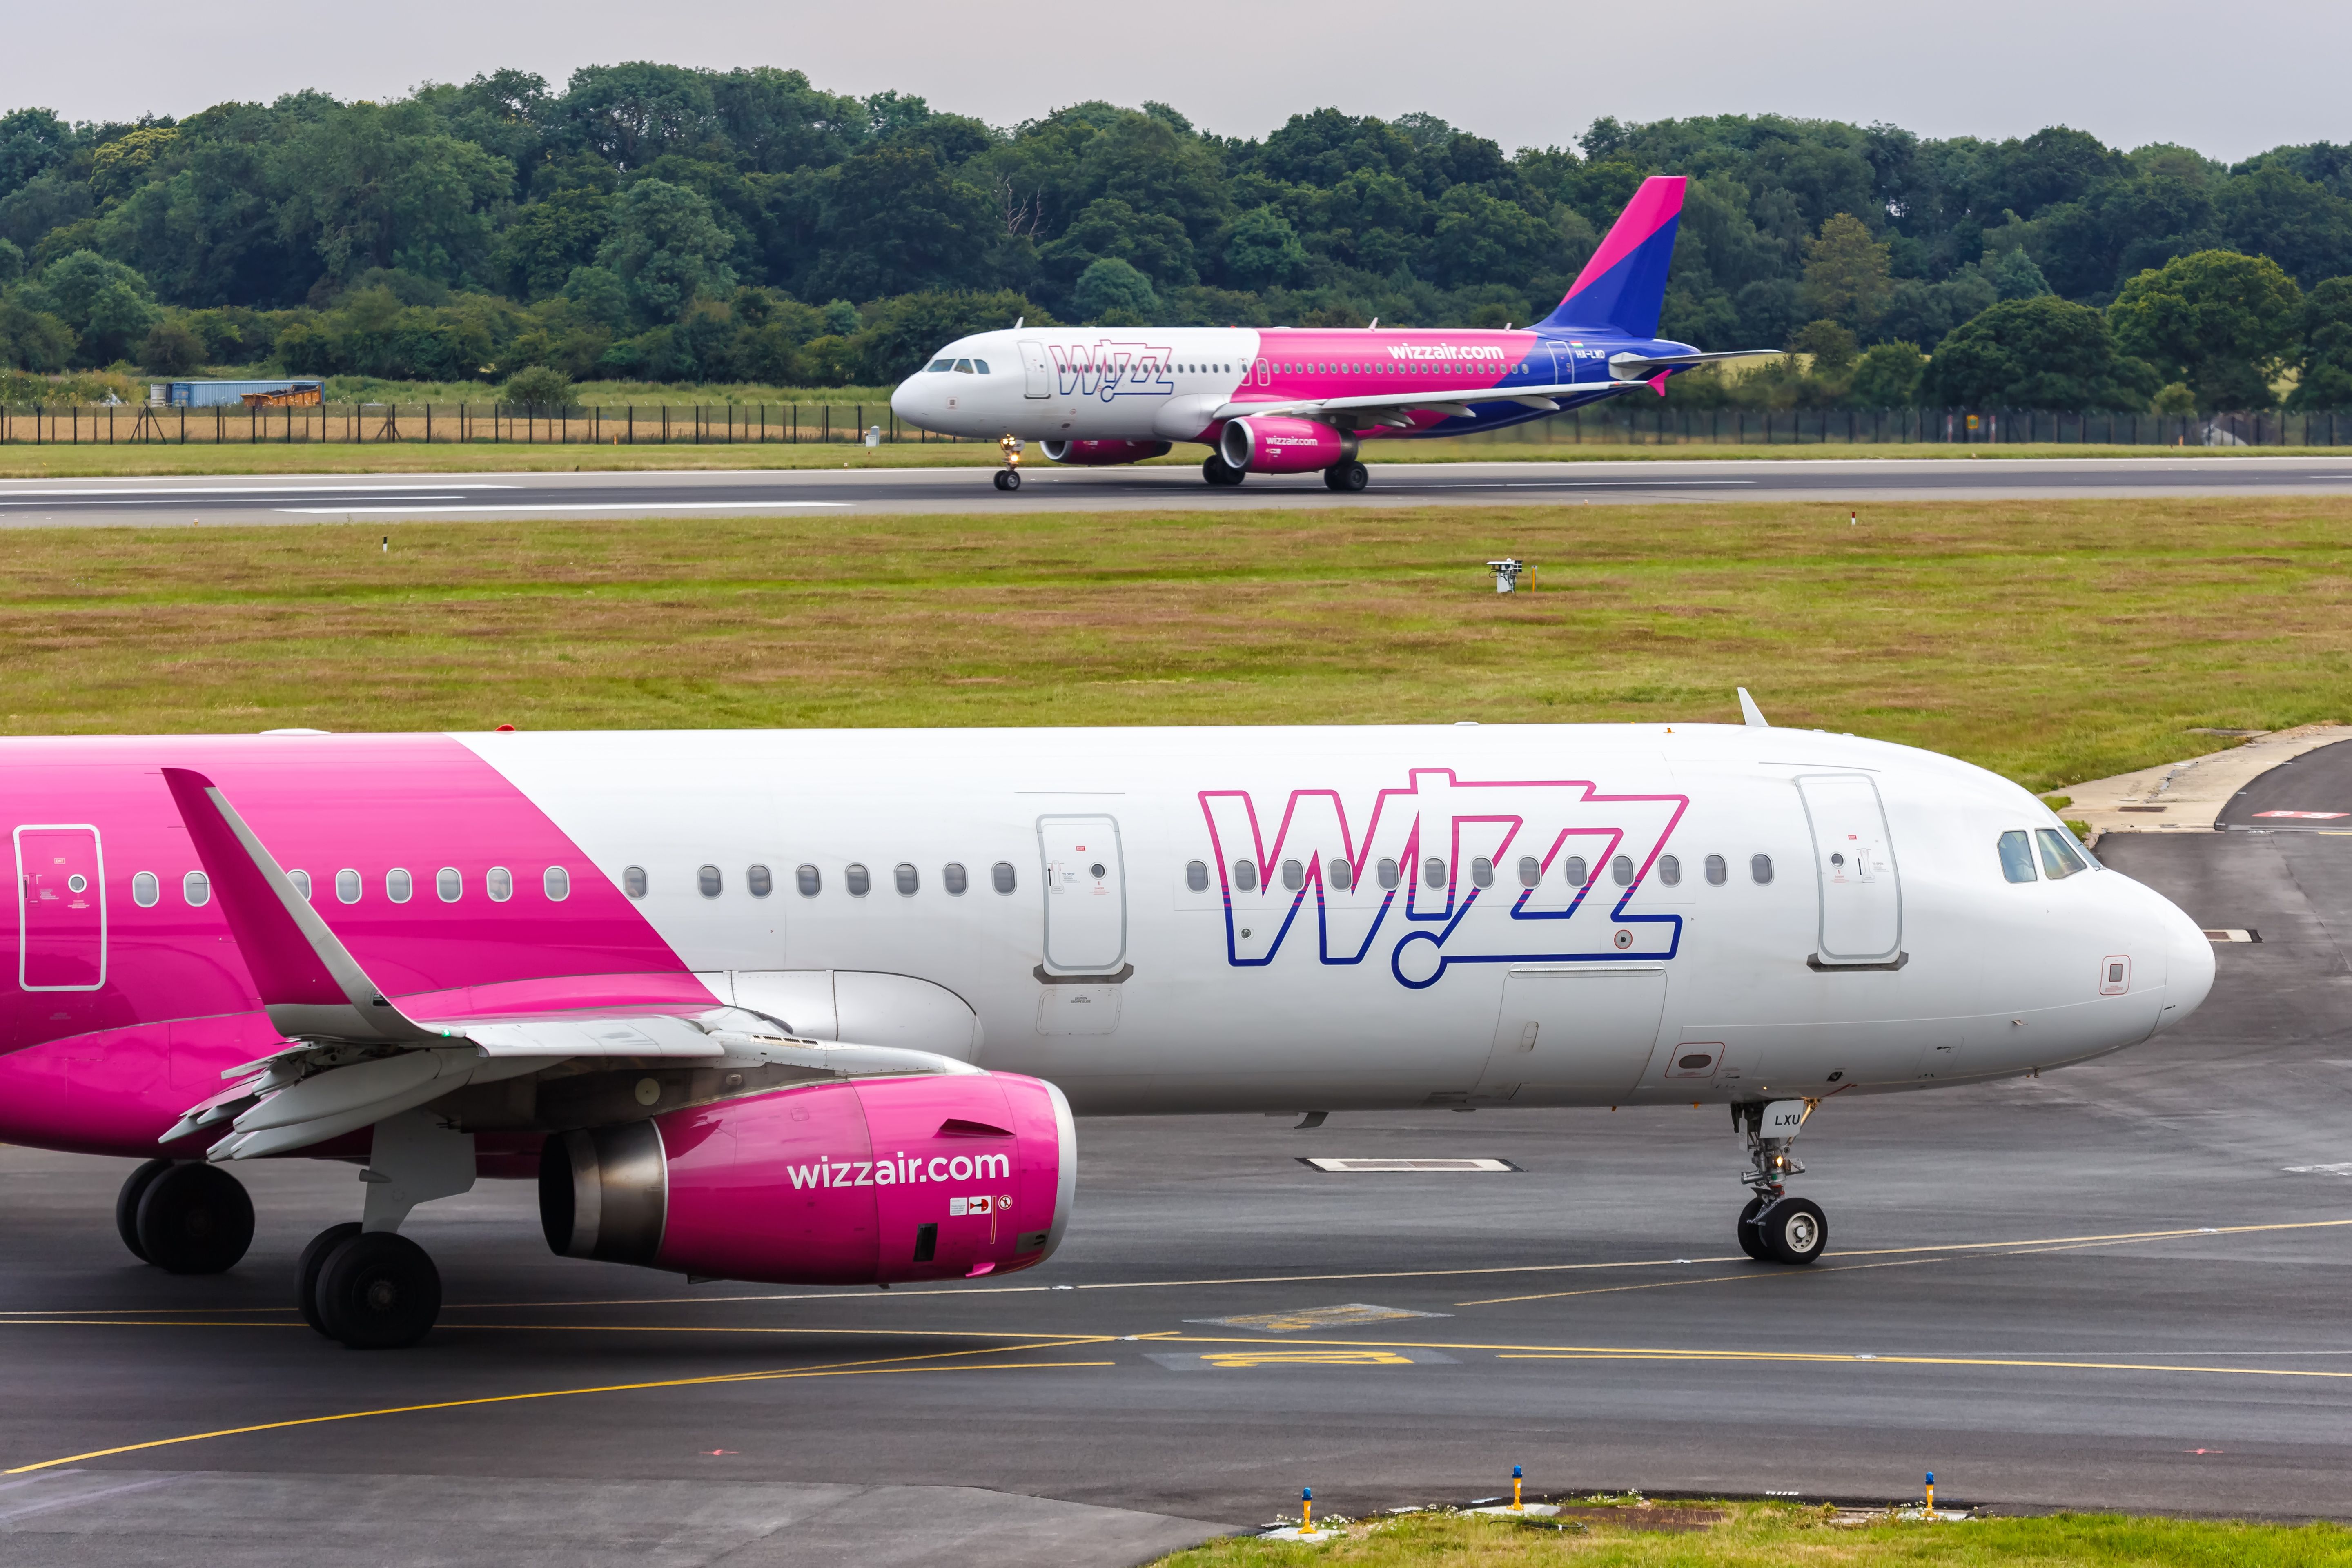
x=2119 y=1285
x=388 y=499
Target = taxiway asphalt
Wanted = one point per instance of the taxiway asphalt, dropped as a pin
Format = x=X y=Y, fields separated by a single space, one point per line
x=2116 y=1286
x=395 y=498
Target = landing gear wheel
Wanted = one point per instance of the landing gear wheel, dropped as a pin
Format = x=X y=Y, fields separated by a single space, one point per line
x=1751 y=1241
x=314 y=1259
x=195 y=1219
x=1007 y=480
x=378 y=1292
x=1794 y=1230
x=1348 y=477
x=126 y=1204
x=1217 y=471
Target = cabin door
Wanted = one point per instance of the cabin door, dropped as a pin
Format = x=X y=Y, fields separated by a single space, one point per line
x=1086 y=894
x=1854 y=862
x=60 y=909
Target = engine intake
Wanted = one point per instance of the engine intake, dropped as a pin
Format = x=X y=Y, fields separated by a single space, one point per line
x=861 y=1183
x=1275 y=444
x=1102 y=454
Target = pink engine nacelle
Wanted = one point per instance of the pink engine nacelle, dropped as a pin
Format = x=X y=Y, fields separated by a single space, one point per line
x=1273 y=444
x=861 y=1183
x=1101 y=453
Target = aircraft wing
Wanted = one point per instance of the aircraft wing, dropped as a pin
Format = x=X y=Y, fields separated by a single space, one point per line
x=353 y=1057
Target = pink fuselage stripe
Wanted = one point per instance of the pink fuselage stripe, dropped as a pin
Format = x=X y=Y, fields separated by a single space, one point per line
x=1303 y=366
x=108 y=1069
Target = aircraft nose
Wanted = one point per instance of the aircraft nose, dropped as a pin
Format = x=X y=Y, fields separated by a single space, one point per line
x=2189 y=967
x=907 y=401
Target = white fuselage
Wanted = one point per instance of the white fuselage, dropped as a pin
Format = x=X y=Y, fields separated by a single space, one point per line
x=1176 y=936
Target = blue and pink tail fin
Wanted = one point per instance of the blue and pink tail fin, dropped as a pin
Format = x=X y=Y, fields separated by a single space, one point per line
x=1624 y=287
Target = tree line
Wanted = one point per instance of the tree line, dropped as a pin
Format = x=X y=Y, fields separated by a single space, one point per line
x=657 y=222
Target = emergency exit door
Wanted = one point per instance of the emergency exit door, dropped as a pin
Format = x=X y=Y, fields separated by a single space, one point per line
x=1086 y=894
x=1039 y=374
x=60 y=909
x=1854 y=863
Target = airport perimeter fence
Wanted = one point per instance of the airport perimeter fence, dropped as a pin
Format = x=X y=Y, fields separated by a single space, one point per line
x=1612 y=424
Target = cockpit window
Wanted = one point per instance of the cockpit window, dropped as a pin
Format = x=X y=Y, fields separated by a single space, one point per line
x=2059 y=856
x=940 y=364
x=2016 y=856
x=981 y=365
x=964 y=365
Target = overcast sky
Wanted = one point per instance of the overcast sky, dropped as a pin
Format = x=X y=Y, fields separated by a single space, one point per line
x=1526 y=73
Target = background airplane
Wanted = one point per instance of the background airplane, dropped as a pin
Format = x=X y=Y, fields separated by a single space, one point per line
x=820 y=1006
x=1295 y=400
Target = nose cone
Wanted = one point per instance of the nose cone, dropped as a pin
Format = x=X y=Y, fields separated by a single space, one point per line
x=907 y=402
x=2189 y=967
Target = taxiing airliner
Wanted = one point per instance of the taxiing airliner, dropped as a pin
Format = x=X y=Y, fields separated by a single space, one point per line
x=820 y=1006
x=1298 y=400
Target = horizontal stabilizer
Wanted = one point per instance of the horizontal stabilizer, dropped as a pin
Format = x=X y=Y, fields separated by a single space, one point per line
x=1642 y=367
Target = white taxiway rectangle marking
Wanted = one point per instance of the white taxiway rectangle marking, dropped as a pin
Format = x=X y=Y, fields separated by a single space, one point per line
x=264 y=490
x=557 y=506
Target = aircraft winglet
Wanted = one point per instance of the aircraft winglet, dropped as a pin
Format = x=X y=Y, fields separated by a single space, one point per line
x=310 y=984
x=1749 y=714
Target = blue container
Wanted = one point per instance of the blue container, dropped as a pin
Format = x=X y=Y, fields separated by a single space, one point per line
x=208 y=394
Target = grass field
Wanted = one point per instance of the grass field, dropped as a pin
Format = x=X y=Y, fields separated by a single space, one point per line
x=1739 y=1535
x=2052 y=641
x=22 y=461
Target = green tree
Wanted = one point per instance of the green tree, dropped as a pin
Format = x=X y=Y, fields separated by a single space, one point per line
x=538 y=386
x=1114 y=293
x=108 y=305
x=2036 y=353
x=1846 y=275
x=12 y=263
x=1832 y=348
x=665 y=249
x=888 y=220
x=2015 y=277
x=1888 y=377
x=1261 y=249
x=548 y=239
x=2325 y=378
x=372 y=186
x=2220 y=321
x=172 y=348
x=33 y=339
x=599 y=295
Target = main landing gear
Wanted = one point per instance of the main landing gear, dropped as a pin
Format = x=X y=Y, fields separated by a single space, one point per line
x=363 y=1283
x=1347 y=478
x=184 y=1217
x=1775 y=1228
x=1217 y=471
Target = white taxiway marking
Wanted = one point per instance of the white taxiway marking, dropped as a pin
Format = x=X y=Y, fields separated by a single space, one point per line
x=259 y=491
x=559 y=506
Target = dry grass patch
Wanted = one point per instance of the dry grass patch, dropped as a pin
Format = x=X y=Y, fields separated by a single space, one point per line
x=2052 y=641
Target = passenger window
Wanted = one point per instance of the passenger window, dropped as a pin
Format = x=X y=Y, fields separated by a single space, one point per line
x=907 y=878
x=2058 y=857
x=1577 y=872
x=301 y=881
x=348 y=885
x=145 y=889
x=1246 y=876
x=809 y=881
x=1339 y=874
x=760 y=881
x=1388 y=873
x=707 y=883
x=854 y=878
x=1294 y=874
x=197 y=889
x=1433 y=871
x=399 y=887
x=633 y=881
x=1717 y=873
x=556 y=883
x=951 y=878
x=1003 y=877
x=498 y=882
x=1196 y=876
x=1482 y=871
x=1530 y=871
x=1761 y=868
x=448 y=884
x=2017 y=856
x=1670 y=871
x=1622 y=868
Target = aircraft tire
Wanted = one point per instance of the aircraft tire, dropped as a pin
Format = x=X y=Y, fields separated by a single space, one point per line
x=1751 y=1241
x=314 y=1259
x=1007 y=480
x=1794 y=1231
x=126 y=1204
x=378 y=1292
x=1217 y=471
x=1348 y=477
x=194 y=1218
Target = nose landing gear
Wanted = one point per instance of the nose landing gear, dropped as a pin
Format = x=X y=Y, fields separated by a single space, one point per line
x=1008 y=478
x=1775 y=1228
